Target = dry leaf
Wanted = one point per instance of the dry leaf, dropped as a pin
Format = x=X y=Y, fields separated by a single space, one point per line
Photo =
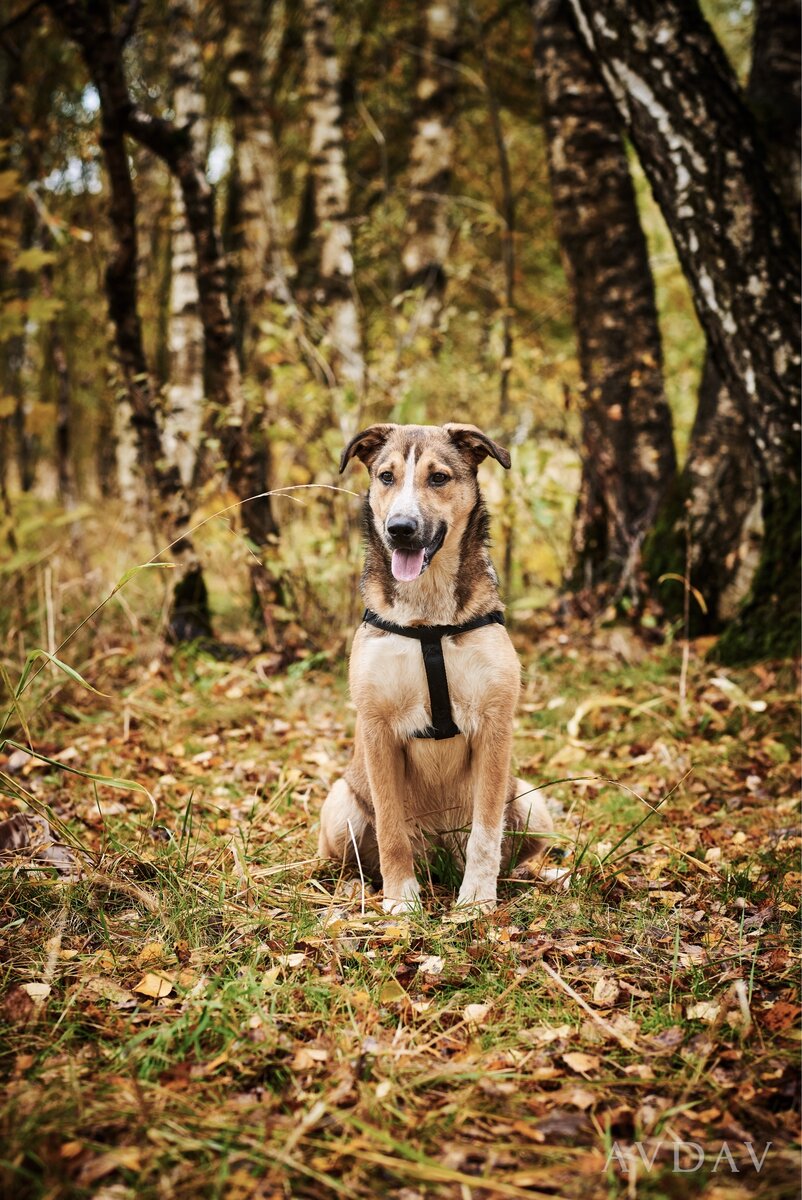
x=151 y=952
x=37 y=991
x=780 y=1016
x=290 y=960
x=606 y=992
x=433 y=965
x=391 y=992
x=107 y=989
x=154 y=985
x=705 y=1010
x=307 y=1057
x=543 y=1034
x=476 y=1014
x=128 y=1157
x=580 y=1062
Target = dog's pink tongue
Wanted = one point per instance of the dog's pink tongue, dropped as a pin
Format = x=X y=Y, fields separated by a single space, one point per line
x=407 y=564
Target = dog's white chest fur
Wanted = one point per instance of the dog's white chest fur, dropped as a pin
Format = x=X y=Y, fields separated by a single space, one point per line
x=388 y=679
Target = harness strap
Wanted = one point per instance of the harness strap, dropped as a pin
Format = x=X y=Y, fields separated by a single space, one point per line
x=431 y=643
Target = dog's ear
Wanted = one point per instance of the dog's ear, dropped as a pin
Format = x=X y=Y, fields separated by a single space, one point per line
x=477 y=445
x=366 y=445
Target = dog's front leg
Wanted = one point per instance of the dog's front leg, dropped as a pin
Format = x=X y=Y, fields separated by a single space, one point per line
x=384 y=758
x=491 y=759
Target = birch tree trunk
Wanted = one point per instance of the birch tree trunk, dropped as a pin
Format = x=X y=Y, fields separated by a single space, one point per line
x=720 y=479
x=628 y=460
x=698 y=145
x=426 y=233
x=189 y=617
x=335 y=292
x=184 y=410
x=239 y=428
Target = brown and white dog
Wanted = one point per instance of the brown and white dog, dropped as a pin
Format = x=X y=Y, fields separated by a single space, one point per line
x=426 y=564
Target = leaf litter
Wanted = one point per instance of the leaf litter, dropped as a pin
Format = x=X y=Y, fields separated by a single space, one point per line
x=238 y=1021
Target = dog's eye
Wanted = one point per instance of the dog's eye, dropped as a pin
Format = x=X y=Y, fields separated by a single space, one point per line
x=386 y=477
x=438 y=478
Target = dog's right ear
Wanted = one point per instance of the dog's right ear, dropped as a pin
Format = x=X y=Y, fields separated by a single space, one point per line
x=366 y=445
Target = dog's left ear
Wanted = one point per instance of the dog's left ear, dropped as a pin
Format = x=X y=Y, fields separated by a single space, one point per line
x=366 y=445
x=477 y=445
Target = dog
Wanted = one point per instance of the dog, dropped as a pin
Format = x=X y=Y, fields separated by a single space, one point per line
x=433 y=675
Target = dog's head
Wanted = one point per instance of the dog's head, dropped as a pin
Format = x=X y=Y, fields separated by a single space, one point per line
x=422 y=486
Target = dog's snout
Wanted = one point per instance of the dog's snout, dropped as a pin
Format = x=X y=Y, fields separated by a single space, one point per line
x=401 y=526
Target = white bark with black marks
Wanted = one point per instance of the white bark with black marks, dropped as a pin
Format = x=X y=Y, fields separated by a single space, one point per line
x=336 y=292
x=184 y=409
x=628 y=460
x=426 y=232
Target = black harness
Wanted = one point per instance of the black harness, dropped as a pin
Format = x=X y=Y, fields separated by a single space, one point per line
x=431 y=643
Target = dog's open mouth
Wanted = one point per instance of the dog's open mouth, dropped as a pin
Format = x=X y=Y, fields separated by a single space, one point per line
x=408 y=564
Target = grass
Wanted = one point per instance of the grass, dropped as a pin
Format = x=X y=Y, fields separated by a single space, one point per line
x=303 y=1047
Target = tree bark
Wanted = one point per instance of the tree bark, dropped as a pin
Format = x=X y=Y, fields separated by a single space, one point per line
x=719 y=480
x=335 y=291
x=184 y=410
x=426 y=233
x=239 y=428
x=61 y=370
x=628 y=460
x=262 y=267
x=189 y=618
x=697 y=142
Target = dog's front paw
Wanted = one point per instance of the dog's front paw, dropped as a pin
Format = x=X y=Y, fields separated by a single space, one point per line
x=478 y=897
x=404 y=899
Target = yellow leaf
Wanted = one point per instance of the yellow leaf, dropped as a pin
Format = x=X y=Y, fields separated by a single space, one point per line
x=391 y=992
x=154 y=985
x=151 y=952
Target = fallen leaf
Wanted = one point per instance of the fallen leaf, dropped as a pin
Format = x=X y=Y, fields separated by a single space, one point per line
x=128 y=1157
x=780 y=1016
x=606 y=992
x=307 y=1057
x=154 y=985
x=476 y=1014
x=580 y=1062
x=433 y=965
x=37 y=991
x=290 y=960
x=151 y=952
x=391 y=992
x=705 y=1010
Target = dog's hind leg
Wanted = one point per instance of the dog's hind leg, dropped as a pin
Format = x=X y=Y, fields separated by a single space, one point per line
x=346 y=832
x=527 y=821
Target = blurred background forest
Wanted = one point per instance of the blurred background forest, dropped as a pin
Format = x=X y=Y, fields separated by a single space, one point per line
x=234 y=232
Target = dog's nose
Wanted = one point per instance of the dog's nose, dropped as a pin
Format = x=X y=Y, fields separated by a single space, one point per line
x=400 y=526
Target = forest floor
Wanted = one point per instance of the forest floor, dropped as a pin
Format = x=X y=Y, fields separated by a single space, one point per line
x=207 y=1011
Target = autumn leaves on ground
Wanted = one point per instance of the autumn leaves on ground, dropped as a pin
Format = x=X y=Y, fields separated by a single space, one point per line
x=201 y=1009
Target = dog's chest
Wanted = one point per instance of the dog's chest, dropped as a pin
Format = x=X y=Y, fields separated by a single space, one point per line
x=388 y=681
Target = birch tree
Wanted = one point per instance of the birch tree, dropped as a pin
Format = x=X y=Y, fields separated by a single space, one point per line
x=426 y=233
x=720 y=479
x=628 y=460
x=184 y=409
x=697 y=142
x=335 y=290
x=259 y=244
x=189 y=617
x=236 y=426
